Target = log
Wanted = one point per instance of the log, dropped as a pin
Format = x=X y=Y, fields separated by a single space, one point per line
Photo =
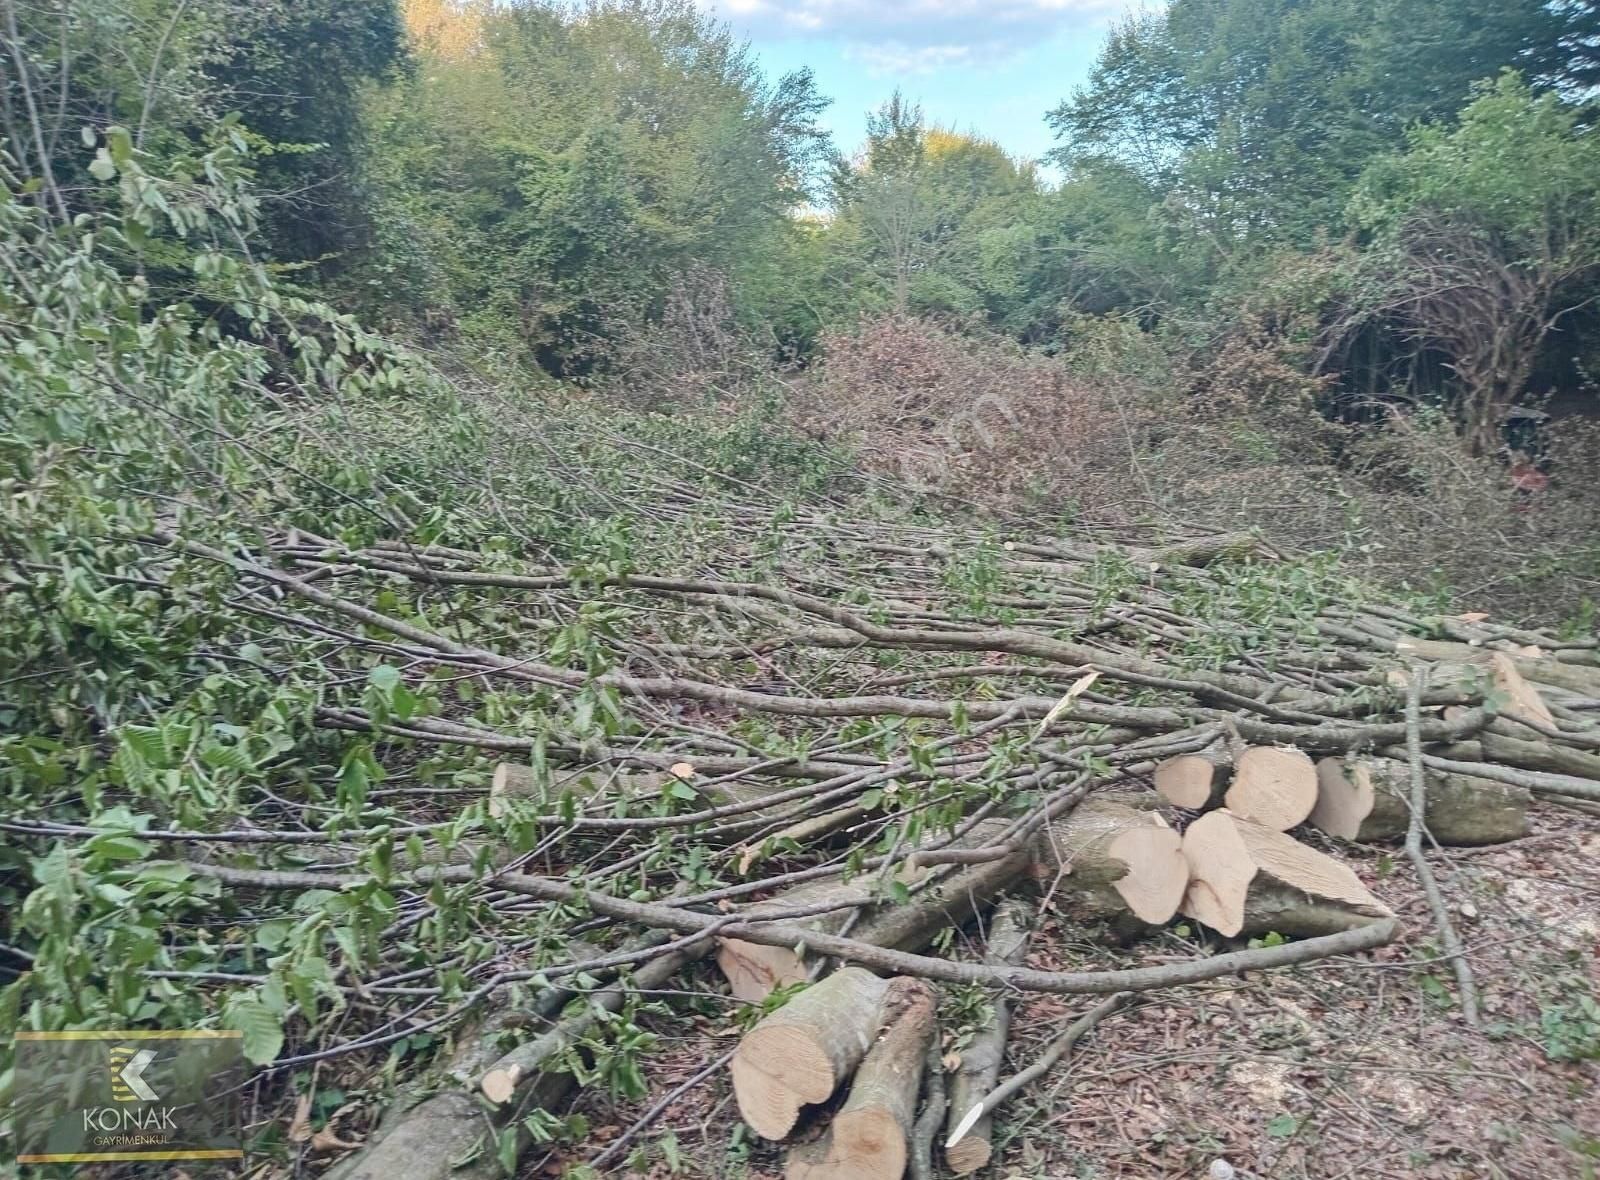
x=799 y=1054
x=1195 y=781
x=1117 y=860
x=952 y=900
x=753 y=970
x=1528 y=755
x=870 y=1136
x=981 y=1061
x=1367 y=800
x=1572 y=677
x=1249 y=879
x=1274 y=786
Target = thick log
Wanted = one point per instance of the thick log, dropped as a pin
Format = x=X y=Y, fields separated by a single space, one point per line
x=1273 y=786
x=870 y=1137
x=983 y=1057
x=1541 y=755
x=1249 y=879
x=1195 y=781
x=1116 y=861
x=1367 y=800
x=798 y=1055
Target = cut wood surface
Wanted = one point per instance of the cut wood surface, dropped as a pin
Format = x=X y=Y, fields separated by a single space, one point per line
x=1249 y=879
x=1112 y=859
x=869 y=1139
x=1367 y=800
x=1273 y=786
x=1195 y=781
x=798 y=1055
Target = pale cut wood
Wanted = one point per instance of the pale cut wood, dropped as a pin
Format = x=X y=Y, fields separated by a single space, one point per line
x=798 y=1055
x=1274 y=786
x=1526 y=703
x=1367 y=800
x=1116 y=860
x=980 y=1063
x=1195 y=781
x=870 y=1137
x=1249 y=879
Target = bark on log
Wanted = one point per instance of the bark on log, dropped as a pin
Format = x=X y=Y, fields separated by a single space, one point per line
x=1116 y=861
x=1367 y=800
x=1273 y=786
x=981 y=1062
x=1573 y=677
x=870 y=1137
x=1248 y=879
x=798 y=1055
x=1529 y=755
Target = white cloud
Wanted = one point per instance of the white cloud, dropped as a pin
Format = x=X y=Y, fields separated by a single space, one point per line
x=898 y=58
x=914 y=36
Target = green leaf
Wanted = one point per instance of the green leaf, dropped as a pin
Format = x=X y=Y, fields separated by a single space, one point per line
x=1283 y=1126
x=384 y=677
x=262 y=1031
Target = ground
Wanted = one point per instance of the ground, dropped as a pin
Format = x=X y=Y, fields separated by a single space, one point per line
x=1358 y=1068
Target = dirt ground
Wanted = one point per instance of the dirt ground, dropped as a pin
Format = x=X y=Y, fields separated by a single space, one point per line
x=1354 y=1069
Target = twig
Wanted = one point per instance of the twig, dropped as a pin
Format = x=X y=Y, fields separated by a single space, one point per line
x=1056 y=1050
x=1430 y=887
x=644 y=1121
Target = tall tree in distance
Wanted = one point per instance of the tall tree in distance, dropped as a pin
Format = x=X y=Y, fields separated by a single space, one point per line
x=1259 y=115
x=1483 y=237
x=552 y=170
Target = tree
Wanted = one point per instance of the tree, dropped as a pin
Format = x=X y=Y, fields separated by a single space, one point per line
x=292 y=70
x=1481 y=237
x=917 y=203
x=550 y=177
x=1259 y=115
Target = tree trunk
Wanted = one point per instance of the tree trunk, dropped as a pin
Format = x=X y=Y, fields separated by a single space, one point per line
x=799 y=1054
x=982 y=1059
x=870 y=1136
x=1115 y=861
x=1248 y=879
x=1367 y=800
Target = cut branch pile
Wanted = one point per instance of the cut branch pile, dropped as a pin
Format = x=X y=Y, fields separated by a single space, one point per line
x=821 y=746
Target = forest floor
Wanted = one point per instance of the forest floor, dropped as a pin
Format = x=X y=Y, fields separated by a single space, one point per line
x=1343 y=1069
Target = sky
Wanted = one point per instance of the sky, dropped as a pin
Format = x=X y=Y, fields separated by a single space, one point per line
x=993 y=67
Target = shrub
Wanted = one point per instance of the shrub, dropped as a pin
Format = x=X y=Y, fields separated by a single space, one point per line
x=973 y=416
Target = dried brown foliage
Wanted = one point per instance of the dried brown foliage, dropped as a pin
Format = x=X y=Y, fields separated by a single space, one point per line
x=1232 y=439
x=976 y=417
x=692 y=351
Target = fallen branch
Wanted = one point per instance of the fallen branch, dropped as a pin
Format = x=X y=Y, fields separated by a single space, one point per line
x=1449 y=942
x=1054 y=1052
